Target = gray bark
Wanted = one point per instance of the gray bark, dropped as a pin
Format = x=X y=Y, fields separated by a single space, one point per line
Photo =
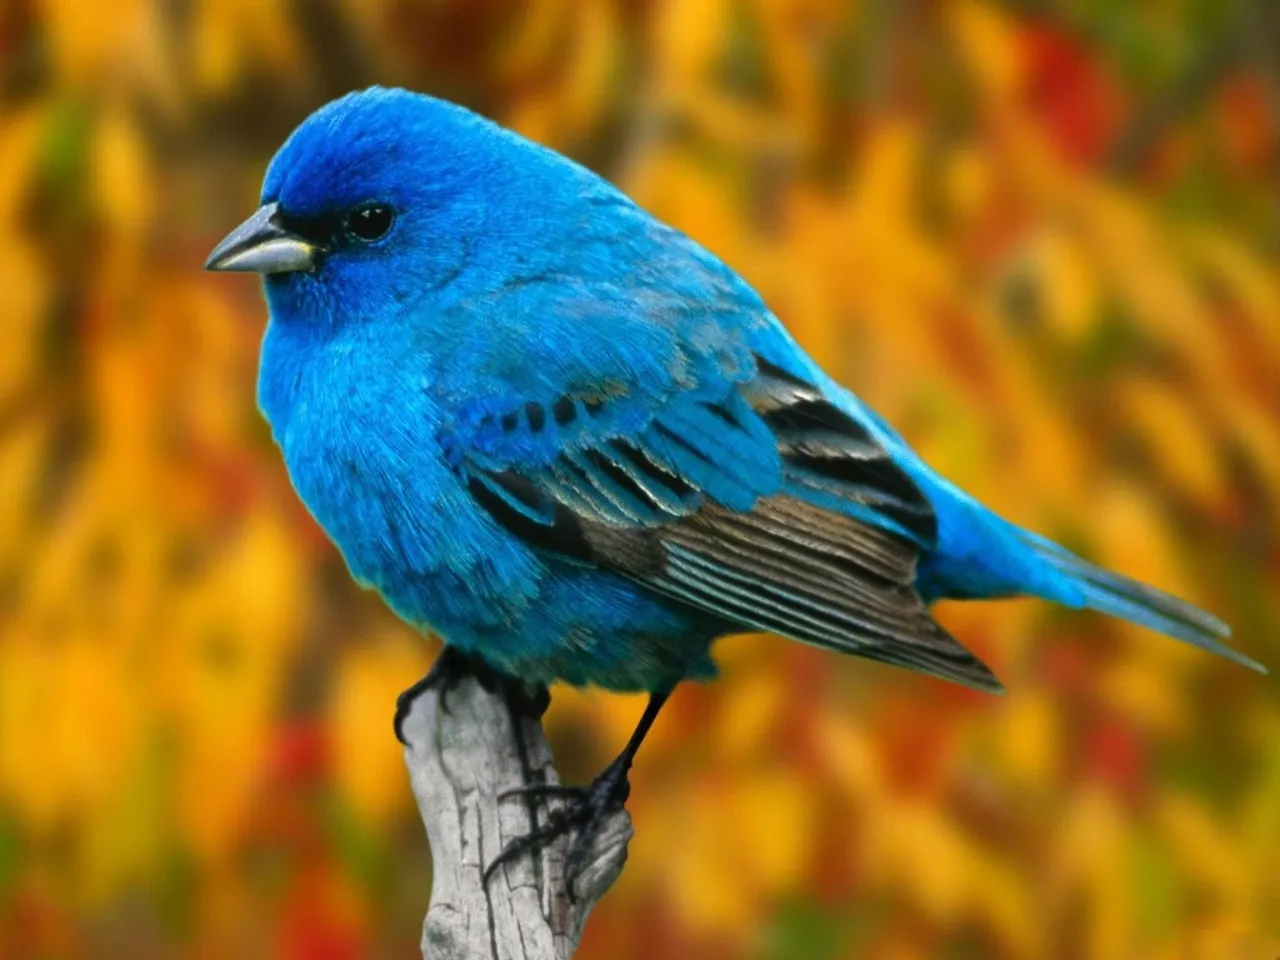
x=460 y=761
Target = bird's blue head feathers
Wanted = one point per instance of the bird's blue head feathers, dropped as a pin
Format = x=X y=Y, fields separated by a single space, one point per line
x=401 y=194
x=377 y=144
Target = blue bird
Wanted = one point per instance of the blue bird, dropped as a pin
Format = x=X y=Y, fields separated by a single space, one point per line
x=573 y=443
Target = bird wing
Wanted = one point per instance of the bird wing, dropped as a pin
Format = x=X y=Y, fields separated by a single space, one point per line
x=747 y=495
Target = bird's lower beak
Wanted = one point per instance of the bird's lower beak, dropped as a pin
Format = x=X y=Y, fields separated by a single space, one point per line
x=262 y=245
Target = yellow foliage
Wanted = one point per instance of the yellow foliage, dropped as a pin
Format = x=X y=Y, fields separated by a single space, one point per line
x=62 y=774
x=928 y=859
x=1178 y=436
x=988 y=43
x=122 y=174
x=1030 y=743
x=686 y=37
x=1135 y=688
x=760 y=834
x=369 y=764
x=1213 y=856
x=754 y=708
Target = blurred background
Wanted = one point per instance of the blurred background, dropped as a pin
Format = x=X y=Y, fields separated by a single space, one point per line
x=1042 y=238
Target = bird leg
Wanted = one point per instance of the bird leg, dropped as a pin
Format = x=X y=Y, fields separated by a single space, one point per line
x=585 y=809
x=452 y=666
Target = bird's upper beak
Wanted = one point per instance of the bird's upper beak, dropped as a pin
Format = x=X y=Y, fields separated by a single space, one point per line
x=262 y=245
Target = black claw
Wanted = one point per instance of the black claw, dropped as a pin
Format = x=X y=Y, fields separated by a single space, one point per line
x=450 y=668
x=524 y=700
x=453 y=666
x=535 y=702
x=545 y=791
x=404 y=704
x=584 y=808
x=532 y=842
x=585 y=811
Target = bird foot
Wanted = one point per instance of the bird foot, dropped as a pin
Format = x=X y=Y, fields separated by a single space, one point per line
x=451 y=668
x=584 y=811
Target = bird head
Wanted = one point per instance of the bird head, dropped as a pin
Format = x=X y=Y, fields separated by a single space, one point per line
x=378 y=199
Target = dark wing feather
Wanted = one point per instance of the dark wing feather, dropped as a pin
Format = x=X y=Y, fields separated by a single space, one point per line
x=837 y=578
x=818 y=577
x=825 y=449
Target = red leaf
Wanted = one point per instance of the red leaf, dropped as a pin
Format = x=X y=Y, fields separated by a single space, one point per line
x=1078 y=103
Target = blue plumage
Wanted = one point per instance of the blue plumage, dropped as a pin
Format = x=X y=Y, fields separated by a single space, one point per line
x=578 y=446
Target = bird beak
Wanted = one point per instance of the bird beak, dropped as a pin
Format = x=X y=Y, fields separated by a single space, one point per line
x=262 y=245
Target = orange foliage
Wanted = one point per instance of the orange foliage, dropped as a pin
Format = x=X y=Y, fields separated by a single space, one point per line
x=195 y=747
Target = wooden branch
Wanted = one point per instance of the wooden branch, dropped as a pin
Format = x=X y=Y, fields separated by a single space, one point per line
x=460 y=761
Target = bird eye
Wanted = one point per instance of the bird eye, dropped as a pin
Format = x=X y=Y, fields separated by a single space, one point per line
x=370 y=223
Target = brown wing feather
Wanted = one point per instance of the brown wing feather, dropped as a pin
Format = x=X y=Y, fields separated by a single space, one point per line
x=804 y=572
x=817 y=575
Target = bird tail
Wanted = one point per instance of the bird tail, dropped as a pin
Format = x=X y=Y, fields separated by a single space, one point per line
x=1120 y=596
